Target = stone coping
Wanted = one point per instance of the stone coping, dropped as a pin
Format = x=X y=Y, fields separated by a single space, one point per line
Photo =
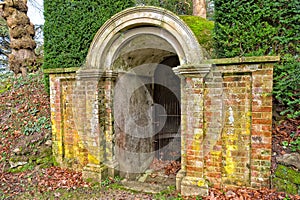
x=61 y=70
x=220 y=61
x=239 y=60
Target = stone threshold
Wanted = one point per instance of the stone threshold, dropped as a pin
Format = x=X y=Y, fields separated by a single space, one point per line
x=150 y=182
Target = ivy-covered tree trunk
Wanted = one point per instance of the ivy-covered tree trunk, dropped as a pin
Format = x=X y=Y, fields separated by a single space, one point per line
x=199 y=8
x=21 y=33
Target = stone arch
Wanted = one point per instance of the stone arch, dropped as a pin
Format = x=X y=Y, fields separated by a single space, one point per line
x=164 y=34
x=213 y=94
x=160 y=22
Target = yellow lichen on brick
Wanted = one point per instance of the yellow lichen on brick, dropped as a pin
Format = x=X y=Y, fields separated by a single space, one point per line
x=196 y=145
x=60 y=149
x=230 y=140
x=229 y=167
x=248 y=123
x=201 y=183
x=198 y=134
x=53 y=126
x=216 y=153
x=81 y=155
x=92 y=159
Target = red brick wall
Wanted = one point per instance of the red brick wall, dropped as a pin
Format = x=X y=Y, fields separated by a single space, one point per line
x=225 y=124
x=236 y=146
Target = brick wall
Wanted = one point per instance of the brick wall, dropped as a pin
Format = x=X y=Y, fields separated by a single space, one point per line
x=226 y=125
x=68 y=147
x=226 y=121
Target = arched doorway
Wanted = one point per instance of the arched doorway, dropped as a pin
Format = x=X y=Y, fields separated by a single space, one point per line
x=167 y=124
x=146 y=105
x=147 y=114
x=114 y=114
x=122 y=72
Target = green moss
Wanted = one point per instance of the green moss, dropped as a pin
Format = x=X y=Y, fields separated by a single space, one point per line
x=55 y=162
x=284 y=186
x=26 y=167
x=288 y=174
x=44 y=161
x=202 y=29
x=46 y=152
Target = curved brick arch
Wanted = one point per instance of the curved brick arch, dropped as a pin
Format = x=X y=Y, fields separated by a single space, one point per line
x=174 y=31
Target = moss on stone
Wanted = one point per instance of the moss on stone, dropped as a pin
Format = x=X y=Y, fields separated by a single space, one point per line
x=288 y=174
x=240 y=60
x=202 y=29
x=60 y=70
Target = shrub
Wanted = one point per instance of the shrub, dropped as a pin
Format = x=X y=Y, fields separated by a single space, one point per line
x=263 y=27
x=180 y=7
x=70 y=26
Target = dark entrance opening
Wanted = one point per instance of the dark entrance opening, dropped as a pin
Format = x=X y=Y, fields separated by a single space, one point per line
x=166 y=93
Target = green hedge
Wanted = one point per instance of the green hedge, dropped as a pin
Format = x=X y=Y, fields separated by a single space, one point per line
x=264 y=27
x=180 y=7
x=70 y=26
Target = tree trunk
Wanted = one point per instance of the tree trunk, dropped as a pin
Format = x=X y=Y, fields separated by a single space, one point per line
x=199 y=8
x=21 y=33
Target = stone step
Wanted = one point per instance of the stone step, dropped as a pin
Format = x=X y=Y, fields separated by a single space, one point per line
x=152 y=188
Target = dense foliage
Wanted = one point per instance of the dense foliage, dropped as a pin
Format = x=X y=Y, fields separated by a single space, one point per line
x=4 y=45
x=264 y=27
x=70 y=26
x=180 y=7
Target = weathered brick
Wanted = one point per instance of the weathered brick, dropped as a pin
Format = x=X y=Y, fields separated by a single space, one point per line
x=226 y=122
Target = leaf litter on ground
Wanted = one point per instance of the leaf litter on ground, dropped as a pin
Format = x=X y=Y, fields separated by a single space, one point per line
x=27 y=101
